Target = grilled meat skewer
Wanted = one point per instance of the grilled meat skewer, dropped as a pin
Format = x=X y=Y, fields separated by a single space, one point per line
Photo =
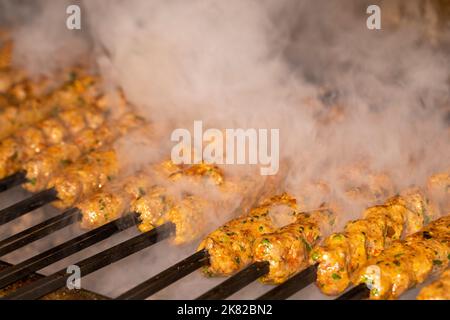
x=341 y=254
x=438 y=290
x=83 y=177
x=407 y=263
x=43 y=166
x=287 y=249
x=74 y=93
x=115 y=200
x=230 y=246
x=25 y=143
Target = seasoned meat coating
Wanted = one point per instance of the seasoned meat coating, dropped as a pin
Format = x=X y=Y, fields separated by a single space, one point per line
x=102 y=207
x=153 y=204
x=27 y=142
x=41 y=167
x=188 y=215
x=115 y=200
x=341 y=254
x=83 y=177
x=231 y=246
x=79 y=92
x=438 y=290
x=287 y=249
x=407 y=263
x=8 y=78
x=18 y=90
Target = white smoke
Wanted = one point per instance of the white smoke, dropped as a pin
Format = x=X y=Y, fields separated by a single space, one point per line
x=337 y=91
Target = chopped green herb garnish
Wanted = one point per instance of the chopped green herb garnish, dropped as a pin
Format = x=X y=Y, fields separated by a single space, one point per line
x=338 y=236
x=307 y=245
x=65 y=162
x=437 y=262
x=102 y=204
x=335 y=276
x=315 y=255
x=207 y=272
x=265 y=241
x=33 y=181
x=237 y=260
x=261 y=228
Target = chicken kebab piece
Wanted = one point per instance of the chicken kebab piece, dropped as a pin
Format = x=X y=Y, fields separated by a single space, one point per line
x=438 y=290
x=27 y=142
x=184 y=202
x=287 y=249
x=407 y=263
x=231 y=246
x=15 y=87
x=24 y=90
x=115 y=199
x=77 y=93
x=341 y=254
x=42 y=167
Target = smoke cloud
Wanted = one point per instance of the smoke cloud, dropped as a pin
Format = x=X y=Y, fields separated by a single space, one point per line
x=339 y=93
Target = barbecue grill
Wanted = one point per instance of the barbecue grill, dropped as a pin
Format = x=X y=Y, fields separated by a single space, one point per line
x=68 y=197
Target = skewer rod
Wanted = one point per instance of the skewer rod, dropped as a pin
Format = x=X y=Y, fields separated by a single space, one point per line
x=23 y=207
x=167 y=277
x=57 y=280
x=237 y=282
x=292 y=285
x=39 y=231
x=64 y=250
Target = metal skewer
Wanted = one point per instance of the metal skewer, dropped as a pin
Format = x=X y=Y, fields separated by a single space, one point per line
x=13 y=180
x=57 y=280
x=292 y=285
x=39 y=231
x=237 y=282
x=360 y=292
x=167 y=277
x=44 y=259
x=23 y=207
